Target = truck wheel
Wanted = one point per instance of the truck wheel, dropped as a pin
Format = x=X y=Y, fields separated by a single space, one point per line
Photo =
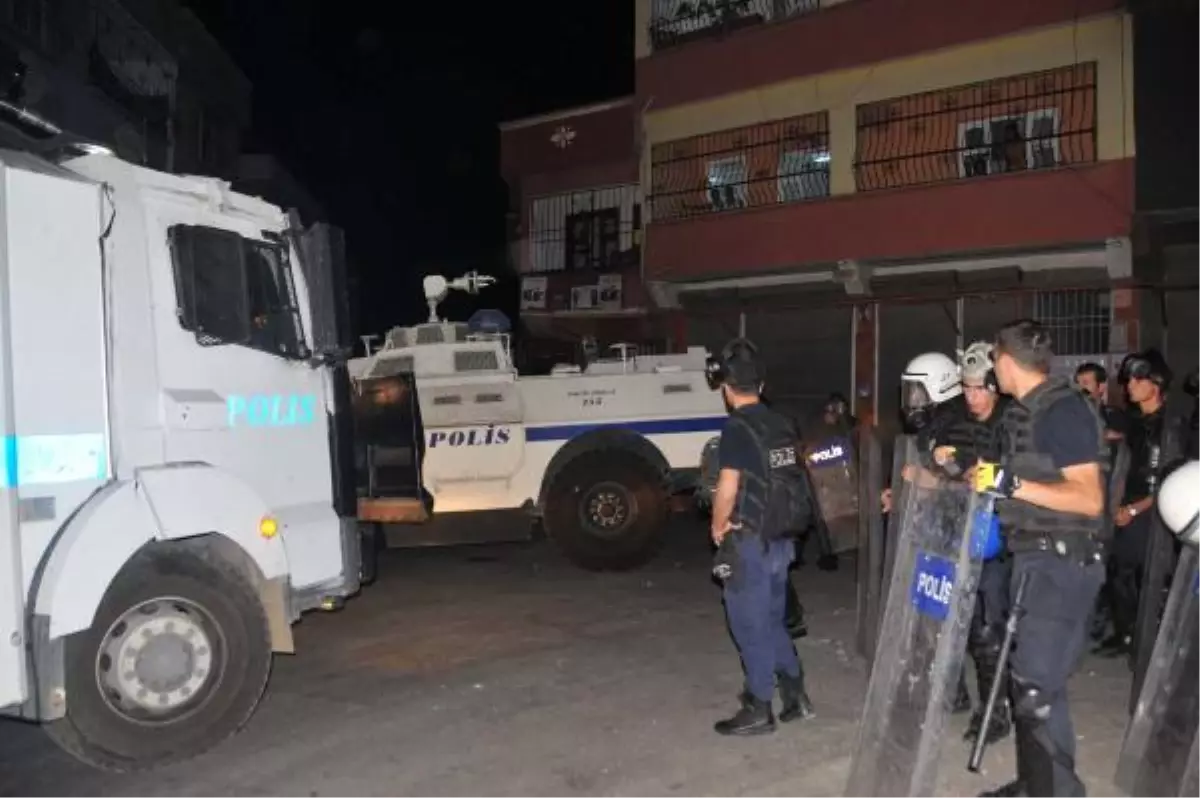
x=607 y=510
x=175 y=661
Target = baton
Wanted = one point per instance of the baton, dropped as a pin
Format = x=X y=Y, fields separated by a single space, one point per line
x=1010 y=630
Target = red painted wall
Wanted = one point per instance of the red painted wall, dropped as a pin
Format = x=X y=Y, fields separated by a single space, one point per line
x=851 y=34
x=601 y=139
x=1033 y=209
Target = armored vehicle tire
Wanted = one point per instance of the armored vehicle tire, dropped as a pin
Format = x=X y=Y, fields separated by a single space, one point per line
x=607 y=510
x=175 y=661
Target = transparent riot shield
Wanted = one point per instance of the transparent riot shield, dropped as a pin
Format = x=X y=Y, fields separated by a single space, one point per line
x=871 y=548
x=929 y=603
x=1158 y=756
x=832 y=464
x=1156 y=584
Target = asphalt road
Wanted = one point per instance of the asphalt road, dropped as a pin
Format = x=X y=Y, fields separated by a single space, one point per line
x=505 y=671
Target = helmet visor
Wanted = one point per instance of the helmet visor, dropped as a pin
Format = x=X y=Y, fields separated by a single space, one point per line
x=913 y=396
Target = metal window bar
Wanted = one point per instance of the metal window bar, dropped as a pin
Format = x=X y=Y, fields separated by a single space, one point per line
x=677 y=22
x=1012 y=124
x=595 y=229
x=786 y=160
x=1079 y=320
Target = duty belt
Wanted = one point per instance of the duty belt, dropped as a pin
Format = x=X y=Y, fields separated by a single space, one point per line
x=1072 y=545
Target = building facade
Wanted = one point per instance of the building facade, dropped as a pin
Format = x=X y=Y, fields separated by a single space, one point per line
x=143 y=77
x=575 y=232
x=851 y=183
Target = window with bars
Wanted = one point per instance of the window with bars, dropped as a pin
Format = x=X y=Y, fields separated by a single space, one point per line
x=785 y=160
x=1079 y=320
x=1010 y=124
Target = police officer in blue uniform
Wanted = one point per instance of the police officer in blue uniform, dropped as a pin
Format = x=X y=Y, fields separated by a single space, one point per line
x=978 y=435
x=759 y=499
x=1050 y=490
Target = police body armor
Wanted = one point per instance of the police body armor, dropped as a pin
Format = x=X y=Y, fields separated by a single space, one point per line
x=1026 y=526
x=779 y=506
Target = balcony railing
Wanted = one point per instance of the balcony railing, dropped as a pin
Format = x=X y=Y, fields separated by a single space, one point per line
x=676 y=22
x=786 y=160
x=597 y=229
x=1014 y=124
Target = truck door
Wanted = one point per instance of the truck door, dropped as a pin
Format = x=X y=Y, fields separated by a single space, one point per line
x=389 y=442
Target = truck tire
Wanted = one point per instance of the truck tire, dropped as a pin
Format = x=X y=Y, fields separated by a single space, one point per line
x=607 y=510
x=195 y=640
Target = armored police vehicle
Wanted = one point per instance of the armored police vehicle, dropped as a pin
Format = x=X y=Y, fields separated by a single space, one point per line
x=174 y=434
x=595 y=451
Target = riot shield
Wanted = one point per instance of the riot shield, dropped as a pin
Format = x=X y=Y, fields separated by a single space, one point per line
x=1156 y=584
x=871 y=550
x=1158 y=755
x=930 y=601
x=832 y=467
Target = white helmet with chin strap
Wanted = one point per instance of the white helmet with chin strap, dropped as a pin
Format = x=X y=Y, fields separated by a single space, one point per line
x=927 y=381
x=1179 y=502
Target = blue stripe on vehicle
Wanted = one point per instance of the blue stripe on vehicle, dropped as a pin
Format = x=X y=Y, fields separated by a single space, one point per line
x=668 y=426
x=52 y=459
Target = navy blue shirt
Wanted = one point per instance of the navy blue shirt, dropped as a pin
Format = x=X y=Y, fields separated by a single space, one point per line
x=738 y=449
x=1067 y=433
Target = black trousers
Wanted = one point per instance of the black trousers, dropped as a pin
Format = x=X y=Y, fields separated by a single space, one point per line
x=1051 y=637
x=1125 y=566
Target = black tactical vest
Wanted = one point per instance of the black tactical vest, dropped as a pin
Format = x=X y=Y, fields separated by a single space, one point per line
x=1022 y=518
x=977 y=439
x=774 y=500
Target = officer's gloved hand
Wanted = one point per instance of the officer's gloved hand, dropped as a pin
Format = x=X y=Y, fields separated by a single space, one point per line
x=953 y=461
x=725 y=562
x=994 y=479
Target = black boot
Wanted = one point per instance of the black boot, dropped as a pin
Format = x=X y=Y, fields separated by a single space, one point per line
x=999 y=728
x=794 y=613
x=796 y=704
x=962 y=698
x=755 y=717
x=1001 y=723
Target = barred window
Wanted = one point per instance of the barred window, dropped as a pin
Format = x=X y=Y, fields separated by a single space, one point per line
x=1011 y=124
x=786 y=160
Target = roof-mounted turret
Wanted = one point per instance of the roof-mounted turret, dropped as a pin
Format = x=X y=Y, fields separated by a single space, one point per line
x=437 y=287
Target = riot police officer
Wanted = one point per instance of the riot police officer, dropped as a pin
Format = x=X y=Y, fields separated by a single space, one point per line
x=1155 y=443
x=752 y=514
x=1050 y=491
x=931 y=401
x=958 y=446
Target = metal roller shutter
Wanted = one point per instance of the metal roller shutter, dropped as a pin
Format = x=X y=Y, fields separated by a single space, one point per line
x=905 y=331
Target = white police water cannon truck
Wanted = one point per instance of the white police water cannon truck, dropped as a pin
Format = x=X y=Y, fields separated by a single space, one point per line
x=170 y=421
x=595 y=451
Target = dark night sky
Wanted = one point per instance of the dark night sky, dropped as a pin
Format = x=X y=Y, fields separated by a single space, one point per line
x=387 y=112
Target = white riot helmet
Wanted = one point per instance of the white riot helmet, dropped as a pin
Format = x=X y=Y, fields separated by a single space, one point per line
x=928 y=381
x=1179 y=502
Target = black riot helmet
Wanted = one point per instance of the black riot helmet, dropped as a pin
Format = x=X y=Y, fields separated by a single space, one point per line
x=1191 y=383
x=738 y=366
x=1146 y=365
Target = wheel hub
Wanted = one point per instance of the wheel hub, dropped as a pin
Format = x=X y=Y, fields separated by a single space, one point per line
x=156 y=659
x=607 y=509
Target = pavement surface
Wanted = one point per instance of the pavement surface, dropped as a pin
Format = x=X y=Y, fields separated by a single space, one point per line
x=505 y=671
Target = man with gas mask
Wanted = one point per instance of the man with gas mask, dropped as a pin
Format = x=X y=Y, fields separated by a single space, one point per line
x=1156 y=443
x=760 y=503
x=931 y=401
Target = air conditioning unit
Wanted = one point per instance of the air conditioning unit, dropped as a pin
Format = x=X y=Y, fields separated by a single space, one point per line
x=583 y=297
